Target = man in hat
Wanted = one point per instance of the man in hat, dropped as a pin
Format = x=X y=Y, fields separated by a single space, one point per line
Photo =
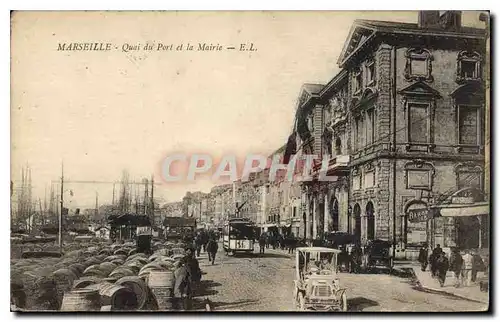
x=423 y=256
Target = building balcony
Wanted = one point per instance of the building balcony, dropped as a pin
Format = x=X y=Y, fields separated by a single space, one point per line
x=336 y=165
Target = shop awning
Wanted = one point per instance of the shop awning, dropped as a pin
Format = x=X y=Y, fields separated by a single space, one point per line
x=476 y=209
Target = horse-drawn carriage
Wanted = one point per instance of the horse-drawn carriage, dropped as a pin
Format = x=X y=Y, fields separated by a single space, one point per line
x=317 y=286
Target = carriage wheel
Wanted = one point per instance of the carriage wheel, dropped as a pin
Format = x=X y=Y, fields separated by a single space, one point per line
x=344 y=302
x=301 y=302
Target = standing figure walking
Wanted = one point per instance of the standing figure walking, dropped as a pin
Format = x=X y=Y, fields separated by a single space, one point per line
x=198 y=241
x=467 y=269
x=423 y=257
x=212 y=248
x=262 y=243
x=442 y=264
x=456 y=263
x=436 y=252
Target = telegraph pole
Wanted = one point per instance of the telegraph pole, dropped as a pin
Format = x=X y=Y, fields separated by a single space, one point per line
x=152 y=200
x=62 y=206
x=96 y=205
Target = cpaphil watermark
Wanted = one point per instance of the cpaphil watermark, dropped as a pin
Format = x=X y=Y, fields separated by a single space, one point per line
x=181 y=167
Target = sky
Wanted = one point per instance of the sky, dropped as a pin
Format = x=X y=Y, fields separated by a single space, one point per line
x=102 y=112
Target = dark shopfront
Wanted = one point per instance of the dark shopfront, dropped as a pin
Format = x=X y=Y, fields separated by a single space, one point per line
x=462 y=221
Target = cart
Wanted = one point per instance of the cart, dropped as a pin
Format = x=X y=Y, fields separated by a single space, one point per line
x=317 y=287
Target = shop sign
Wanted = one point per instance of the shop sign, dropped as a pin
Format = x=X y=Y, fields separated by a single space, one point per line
x=462 y=200
x=418 y=215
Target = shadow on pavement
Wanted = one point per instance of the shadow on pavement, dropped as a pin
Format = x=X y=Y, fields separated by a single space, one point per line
x=199 y=304
x=204 y=288
x=358 y=304
x=265 y=255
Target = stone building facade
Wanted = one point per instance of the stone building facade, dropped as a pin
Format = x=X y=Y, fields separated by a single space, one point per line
x=403 y=122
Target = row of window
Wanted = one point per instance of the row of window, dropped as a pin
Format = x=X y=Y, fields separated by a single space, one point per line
x=364 y=76
x=420 y=124
x=363 y=181
x=419 y=67
x=364 y=131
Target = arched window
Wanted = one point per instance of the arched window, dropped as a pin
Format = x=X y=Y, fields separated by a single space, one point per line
x=370 y=221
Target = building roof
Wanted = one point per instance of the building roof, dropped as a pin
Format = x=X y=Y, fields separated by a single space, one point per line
x=313 y=88
x=362 y=31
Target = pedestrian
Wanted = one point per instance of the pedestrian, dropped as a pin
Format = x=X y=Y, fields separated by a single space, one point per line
x=355 y=259
x=467 y=269
x=182 y=287
x=198 y=242
x=423 y=257
x=456 y=263
x=436 y=252
x=292 y=245
x=262 y=243
x=442 y=264
x=212 y=248
x=477 y=266
x=204 y=240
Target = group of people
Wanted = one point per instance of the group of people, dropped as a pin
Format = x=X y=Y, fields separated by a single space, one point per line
x=278 y=241
x=464 y=267
x=187 y=273
x=208 y=241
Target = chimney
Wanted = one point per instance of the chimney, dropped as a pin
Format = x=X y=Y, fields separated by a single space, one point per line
x=447 y=20
x=428 y=19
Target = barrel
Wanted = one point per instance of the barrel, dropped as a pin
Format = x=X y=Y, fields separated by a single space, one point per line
x=106 y=252
x=107 y=268
x=63 y=279
x=161 y=284
x=121 y=251
x=120 y=298
x=86 y=281
x=141 y=260
x=79 y=267
x=118 y=261
x=152 y=265
x=137 y=255
x=131 y=252
x=137 y=285
x=94 y=270
x=110 y=279
x=81 y=300
x=122 y=271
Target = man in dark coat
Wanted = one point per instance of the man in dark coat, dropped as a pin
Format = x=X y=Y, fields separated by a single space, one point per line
x=262 y=243
x=212 y=248
x=436 y=252
x=192 y=266
x=198 y=241
x=477 y=266
x=442 y=264
x=423 y=257
x=456 y=262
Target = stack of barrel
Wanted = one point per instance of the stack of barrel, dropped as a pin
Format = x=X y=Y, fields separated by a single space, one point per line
x=118 y=279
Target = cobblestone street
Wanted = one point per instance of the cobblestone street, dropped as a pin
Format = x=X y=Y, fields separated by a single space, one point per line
x=265 y=283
